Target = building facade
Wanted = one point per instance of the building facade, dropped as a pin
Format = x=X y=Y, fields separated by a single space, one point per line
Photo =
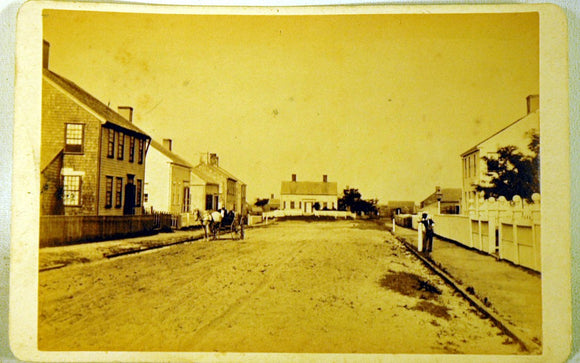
x=167 y=180
x=230 y=192
x=396 y=207
x=443 y=201
x=205 y=191
x=92 y=158
x=517 y=134
x=307 y=196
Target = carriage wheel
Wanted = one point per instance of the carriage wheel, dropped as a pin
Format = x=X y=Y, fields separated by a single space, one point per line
x=236 y=231
x=215 y=231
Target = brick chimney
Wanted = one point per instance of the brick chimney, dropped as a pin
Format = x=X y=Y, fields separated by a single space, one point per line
x=45 y=53
x=214 y=160
x=533 y=102
x=293 y=177
x=167 y=143
x=126 y=112
x=325 y=178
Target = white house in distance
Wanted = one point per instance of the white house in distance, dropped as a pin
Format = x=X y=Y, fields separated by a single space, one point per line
x=167 y=180
x=231 y=192
x=516 y=134
x=303 y=195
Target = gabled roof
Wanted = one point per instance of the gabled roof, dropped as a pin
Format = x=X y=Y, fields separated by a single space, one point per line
x=227 y=173
x=176 y=159
x=476 y=147
x=207 y=169
x=91 y=102
x=203 y=175
x=308 y=188
x=447 y=195
x=400 y=203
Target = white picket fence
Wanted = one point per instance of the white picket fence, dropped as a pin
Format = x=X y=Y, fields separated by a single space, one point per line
x=510 y=230
x=336 y=214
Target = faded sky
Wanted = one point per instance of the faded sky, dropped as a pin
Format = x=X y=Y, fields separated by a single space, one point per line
x=383 y=103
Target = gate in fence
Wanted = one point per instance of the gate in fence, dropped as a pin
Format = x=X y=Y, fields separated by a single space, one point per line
x=507 y=229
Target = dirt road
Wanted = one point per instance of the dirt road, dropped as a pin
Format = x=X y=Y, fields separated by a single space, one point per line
x=293 y=286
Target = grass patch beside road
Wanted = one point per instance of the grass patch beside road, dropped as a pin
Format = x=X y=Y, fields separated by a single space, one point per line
x=409 y=284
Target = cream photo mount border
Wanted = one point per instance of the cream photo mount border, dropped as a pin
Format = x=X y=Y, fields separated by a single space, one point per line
x=555 y=167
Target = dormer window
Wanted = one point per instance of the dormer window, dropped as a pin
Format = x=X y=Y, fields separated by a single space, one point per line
x=74 y=134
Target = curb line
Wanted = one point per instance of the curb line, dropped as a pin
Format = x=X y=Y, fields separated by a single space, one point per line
x=138 y=249
x=525 y=343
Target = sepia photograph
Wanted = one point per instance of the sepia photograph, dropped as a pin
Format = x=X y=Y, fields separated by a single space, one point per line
x=345 y=180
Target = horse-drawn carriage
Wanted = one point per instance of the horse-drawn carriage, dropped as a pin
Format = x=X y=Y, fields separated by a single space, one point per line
x=216 y=223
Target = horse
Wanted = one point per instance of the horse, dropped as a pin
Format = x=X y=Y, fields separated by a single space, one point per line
x=209 y=221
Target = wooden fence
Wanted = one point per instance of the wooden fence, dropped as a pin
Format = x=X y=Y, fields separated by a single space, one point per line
x=510 y=230
x=60 y=230
x=299 y=213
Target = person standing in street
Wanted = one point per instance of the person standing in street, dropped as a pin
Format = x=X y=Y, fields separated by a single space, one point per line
x=427 y=223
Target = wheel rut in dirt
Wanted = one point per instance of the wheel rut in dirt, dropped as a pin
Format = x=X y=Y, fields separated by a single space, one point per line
x=199 y=335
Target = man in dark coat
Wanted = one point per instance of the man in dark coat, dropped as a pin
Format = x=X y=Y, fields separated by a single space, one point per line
x=427 y=223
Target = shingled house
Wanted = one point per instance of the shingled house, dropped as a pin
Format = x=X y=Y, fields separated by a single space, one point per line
x=92 y=158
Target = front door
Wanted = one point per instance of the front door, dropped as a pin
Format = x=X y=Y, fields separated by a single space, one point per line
x=308 y=207
x=129 y=205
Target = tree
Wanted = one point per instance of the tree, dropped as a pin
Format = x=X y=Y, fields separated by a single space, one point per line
x=513 y=173
x=352 y=200
x=349 y=198
x=261 y=202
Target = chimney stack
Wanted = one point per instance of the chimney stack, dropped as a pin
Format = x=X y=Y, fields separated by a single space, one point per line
x=45 y=53
x=533 y=102
x=167 y=143
x=214 y=160
x=293 y=177
x=325 y=178
x=126 y=112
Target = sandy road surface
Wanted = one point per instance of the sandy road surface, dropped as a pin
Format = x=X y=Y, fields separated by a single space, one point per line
x=293 y=286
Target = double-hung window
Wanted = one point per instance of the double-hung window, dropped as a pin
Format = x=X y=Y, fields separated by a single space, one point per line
x=74 y=134
x=140 y=160
x=131 y=149
x=138 y=192
x=111 y=144
x=118 y=192
x=121 y=146
x=72 y=190
x=109 y=192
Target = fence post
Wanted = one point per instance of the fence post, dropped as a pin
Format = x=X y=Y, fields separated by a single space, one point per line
x=518 y=207
x=536 y=219
x=471 y=216
x=536 y=208
x=516 y=218
x=492 y=226
x=420 y=237
x=394 y=224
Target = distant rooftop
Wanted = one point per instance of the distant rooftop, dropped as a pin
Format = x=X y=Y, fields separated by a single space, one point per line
x=308 y=188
